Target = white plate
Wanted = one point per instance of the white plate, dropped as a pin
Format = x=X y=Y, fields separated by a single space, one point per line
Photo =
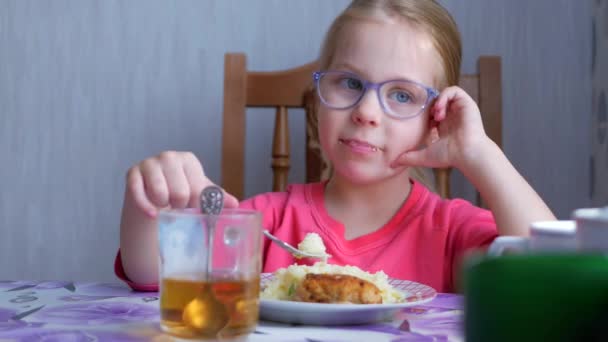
x=336 y=314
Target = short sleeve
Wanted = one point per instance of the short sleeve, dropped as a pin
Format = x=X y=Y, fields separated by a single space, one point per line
x=477 y=230
x=471 y=229
x=120 y=273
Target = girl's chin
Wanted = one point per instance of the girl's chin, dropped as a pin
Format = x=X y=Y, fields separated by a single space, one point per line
x=367 y=176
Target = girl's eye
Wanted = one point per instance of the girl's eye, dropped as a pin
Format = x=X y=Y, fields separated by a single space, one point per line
x=400 y=96
x=352 y=83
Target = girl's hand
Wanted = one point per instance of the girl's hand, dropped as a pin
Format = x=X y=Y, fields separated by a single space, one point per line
x=455 y=136
x=171 y=179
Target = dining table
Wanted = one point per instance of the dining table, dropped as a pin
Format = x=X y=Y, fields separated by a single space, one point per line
x=105 y=311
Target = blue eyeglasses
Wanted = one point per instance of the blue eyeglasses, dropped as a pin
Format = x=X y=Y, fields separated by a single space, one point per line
x=400 y=99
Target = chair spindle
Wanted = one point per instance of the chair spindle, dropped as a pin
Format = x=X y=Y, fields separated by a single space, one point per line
x=280 y=150
x=442 y=181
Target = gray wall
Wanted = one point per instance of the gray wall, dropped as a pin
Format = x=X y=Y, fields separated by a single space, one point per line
x=546 y=51
x=599 y=123
x=87 y=88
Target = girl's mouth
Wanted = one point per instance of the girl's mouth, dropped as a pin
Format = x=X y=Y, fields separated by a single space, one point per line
x=359 y=146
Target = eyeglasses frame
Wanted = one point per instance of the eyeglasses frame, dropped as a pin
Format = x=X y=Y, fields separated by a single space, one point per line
x=432 y=93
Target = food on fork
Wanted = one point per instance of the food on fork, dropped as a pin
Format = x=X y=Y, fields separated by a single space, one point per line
x=313 y=244
x=337 y=288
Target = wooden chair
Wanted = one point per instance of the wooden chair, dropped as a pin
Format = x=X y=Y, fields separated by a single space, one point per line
x=293 y=89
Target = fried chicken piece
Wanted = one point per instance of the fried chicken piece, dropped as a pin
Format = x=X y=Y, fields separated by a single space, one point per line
x=337 y=288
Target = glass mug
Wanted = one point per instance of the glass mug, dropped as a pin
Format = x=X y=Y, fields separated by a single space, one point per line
x=545 y=237
x=592 y=229
x=209 y=273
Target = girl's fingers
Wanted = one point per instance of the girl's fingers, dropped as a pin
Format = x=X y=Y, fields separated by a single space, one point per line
x=155 y=184
x=196 y=178
x=432 y=155
x=177 y=182
x=408 y=159
x=441 y=104
x=421 y=158
x=198 y=181
x=135 y=186
x=230 y=201
x=172 y=179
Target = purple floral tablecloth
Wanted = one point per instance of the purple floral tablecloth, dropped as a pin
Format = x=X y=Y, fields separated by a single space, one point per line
x=74 y=312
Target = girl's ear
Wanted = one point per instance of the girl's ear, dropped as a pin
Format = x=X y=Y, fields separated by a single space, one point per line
x=432 y=132
x=432 y=135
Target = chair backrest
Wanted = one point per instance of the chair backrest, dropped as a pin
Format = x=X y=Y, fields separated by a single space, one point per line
x=293 y=89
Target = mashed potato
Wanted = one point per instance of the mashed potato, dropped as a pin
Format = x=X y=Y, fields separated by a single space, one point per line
x=312 y=244
x=285 y=281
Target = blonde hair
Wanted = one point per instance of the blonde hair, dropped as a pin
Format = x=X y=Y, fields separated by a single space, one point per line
x=427 y=15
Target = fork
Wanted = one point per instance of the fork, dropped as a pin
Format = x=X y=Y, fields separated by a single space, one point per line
x=294 y=251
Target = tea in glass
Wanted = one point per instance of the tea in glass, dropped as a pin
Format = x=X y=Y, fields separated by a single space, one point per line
x=221 y=304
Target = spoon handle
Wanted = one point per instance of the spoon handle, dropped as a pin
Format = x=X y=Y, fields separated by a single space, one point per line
x=289 y=248
x=212 y=203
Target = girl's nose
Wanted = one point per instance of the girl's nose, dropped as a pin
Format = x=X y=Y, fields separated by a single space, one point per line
x=368 y=111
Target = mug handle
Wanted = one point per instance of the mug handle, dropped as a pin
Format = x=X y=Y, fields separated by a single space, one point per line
x=502 y=243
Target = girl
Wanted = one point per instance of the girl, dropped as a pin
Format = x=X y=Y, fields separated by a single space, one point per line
x=387 y=103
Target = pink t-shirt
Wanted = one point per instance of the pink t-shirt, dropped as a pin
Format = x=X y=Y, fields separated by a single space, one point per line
x=421 y=242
